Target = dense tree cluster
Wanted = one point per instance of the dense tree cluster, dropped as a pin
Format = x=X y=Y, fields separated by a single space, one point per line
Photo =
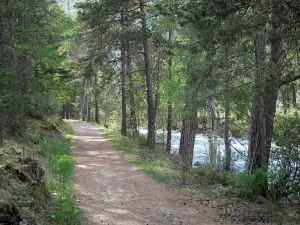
x=33 y=66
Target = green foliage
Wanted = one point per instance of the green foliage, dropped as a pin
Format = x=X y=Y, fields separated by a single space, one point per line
x=31 y=63
x=284 y=175
x=60 y=163
x=5 y=74
x=210 y=175
x=286 y=132
x=248 y=186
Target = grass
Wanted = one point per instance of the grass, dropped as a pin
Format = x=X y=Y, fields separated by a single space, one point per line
x=59 y=183
x=153 y=162
x=52 y=203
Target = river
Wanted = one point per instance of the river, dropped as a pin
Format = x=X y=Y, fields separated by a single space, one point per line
x=204 y=155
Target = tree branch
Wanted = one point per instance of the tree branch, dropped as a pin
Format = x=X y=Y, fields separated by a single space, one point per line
x=288 y=80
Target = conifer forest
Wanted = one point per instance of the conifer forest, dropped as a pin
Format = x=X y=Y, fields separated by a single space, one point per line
x=203 y=96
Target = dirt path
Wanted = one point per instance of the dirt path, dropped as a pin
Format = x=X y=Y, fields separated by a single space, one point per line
x=111 y=191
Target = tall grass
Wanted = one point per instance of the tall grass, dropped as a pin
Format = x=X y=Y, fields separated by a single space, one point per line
x=59 y=183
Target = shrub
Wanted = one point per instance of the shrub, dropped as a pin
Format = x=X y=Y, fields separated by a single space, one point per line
x=285 y=165
x=248 y=186
x=210 y=174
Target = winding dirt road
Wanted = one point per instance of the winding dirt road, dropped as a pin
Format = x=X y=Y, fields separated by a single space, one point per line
x=111 y=191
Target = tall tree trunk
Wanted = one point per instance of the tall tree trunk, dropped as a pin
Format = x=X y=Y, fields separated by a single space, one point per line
x=226 y=124
x=133 y=121
x=67 y=112
x=123 y=76
x=97 y=118
x=170 y=110
x=188 y=134
x=273 y=81
x=294 y=94
x=2 y=62
x=257 y=155
x=1 y=130
x=83 y=107
x=211 y=124
x=63 y=112
x=267 y=84
x=1 y=107
x=150 y=101
x=189 y=122
x=89 y=109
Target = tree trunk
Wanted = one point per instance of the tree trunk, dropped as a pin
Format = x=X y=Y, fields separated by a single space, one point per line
x=97 y=118
x=2 y=62
x=226 y=125
x=89 y=109
x=272 y=82
x=67 y=112
x=123 y=77
x=170 y=110
x=188 y=135
x=133 y=122
x=150 y=101
x=189 y=121
x=83 y=107
x=1 y=110
x=267 y=83
x=63 y=112
x=1 y=131
x=257 y=149
x=294 y=95
x=211 y=124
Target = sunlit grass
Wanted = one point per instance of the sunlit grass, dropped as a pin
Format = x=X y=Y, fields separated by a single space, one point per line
x=153 y=162
x=60 y=181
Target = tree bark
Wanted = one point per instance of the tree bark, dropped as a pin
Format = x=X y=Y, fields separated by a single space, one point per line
x=1 y=108
x=257 y=156
x=267 y=84
x=97 y=118
x=170 y=109
x=189 y=122
x=132 y=120
x=272 y=82
x=63 y=112
x=188 y=135
x=83 y=107
x=123 y=76
x=211 y=124
x=150 y=101
x=226 y=125
x=89 y=109
x=1 y=85
x=67 y=112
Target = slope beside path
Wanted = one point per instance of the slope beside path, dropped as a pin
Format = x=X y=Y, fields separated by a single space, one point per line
x=110 y=190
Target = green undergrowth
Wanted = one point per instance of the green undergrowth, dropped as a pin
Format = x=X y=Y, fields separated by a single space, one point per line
x=59 y=183
x=51 y=203
x=243 y=185
x=153 y=162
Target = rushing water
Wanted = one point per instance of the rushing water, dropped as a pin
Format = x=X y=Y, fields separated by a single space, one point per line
x=203 y=153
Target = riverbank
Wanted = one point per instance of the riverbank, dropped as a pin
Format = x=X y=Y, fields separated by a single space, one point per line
x=233 y=196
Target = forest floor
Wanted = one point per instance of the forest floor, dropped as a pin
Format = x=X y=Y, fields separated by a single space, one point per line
x=111 y=191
